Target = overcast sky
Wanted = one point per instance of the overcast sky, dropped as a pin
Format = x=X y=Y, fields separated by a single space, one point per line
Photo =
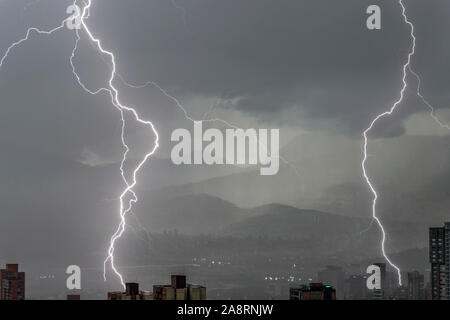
x=310 y=68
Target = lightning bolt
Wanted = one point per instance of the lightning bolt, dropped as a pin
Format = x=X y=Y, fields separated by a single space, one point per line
x=127 y=197
x=425 y=101
x=366 y=132
x=125 y=205
x=406 y=67
x=27 y=36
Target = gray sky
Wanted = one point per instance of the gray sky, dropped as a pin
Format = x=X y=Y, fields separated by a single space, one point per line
x=310 y=68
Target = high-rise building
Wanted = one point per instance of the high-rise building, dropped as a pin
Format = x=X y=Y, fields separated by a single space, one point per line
x=131 y=293
x=313 y=291
x=416 y=286
x=335 y=277
x=179 y=290
x=440 y=262
x=12 y=283
x=132 y=289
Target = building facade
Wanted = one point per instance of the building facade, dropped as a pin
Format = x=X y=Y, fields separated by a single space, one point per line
x=131 y=293
x=179 y=290
x=439 y=246
x=313 y=291
x=12 y=283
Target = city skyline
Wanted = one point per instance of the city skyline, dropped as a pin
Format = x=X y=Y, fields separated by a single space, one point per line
x=332 y=283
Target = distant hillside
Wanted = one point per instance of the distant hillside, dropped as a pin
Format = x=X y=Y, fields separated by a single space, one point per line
x=189 y=214
x=203 y=214
x=277 y=220
x=410 y=173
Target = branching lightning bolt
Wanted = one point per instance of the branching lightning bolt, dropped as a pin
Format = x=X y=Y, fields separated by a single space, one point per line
x=406 y=68
x=425 y=101
x=125 y=205
x=27 y=36
x=365 y=135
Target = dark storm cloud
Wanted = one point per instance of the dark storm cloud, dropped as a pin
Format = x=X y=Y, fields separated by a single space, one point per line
x=315 y=58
